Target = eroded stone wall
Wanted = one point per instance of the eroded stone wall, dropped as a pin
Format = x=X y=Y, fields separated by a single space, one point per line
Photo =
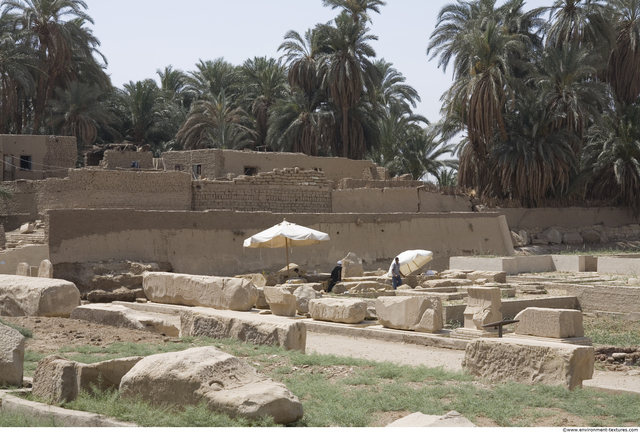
x=115 y=158
x=211 y=162
x=61 y=155
x=278 y=191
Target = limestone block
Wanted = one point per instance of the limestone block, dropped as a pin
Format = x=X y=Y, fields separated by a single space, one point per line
x=549 y=322
x=23 y=269
x=418 y=419
x=199 y=290
x=27 y=228
x=123 y=317
x=525 y=237
x=206 y=374
x=554 y=235
x=517 y=240
x=281 y=301
x=367 y=287
x=490 y=276
x=259 y=280
x=27 y=296
x=440 y=283
x=529 y=361
x=352 y=266
x=11 y=356
x=572 y=238
x=483 y=307
x=591 y=237
x=339 y=289
x=303 y=295
x=338 y=310
x=57 y=379
x=291 y=335
x=453 y=274
x=540 y=240
x=261 y=303
x=121 y=294
x=411 y=313
x=45 y=270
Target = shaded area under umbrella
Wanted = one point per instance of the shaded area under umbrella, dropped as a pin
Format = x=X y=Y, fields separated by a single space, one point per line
x=412 y=260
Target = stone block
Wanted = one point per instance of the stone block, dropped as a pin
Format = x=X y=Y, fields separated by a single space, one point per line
x=418 y=419
x=525 y=237
x=338 y=310
x=529 y=361
x=553 y=235
x=27 y=228
x=208 y=375
x=200 y=290
x=483 y=307
x=490 y=276
x=45 y=270
x=411 y=313
x=27 y=296
x=11 y=356
x=261 y=303
x=352 y=266
x=259 y=280
x=591 y=237
x=281 y=301
x=572 y=238
x=23 y=270
x=267 y=330
x=123 y=317
x=569 y=263
x=517 y=240
x=303 y=295
x=549 y=323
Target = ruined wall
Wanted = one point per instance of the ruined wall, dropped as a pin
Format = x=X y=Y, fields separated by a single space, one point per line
x=210 y=242
x=31 y=254
x=282 y=191
x=22 y=204
x=389 y=200
x=115 y=158
x=210 y=160
x=61 y=155
x=572 y=217
x=128 y=189
x=370 y=183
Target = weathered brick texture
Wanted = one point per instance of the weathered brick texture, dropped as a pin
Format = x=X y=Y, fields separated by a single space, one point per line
x=279 y=191
x=115 y=158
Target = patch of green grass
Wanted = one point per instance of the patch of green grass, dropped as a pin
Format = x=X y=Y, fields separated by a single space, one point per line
x=31 y=360
x=612 y=331
x=18 y=419
x=26 y=332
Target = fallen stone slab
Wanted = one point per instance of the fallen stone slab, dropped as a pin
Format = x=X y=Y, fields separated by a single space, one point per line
x=45 y=270
x=65 y=417
x=529 y=361
x=123 y=317
x=410 y=313
x=303 y=295
x=247 y=327
x=200 y=290
x=490 y=276
x=206 y=374
x=11 y=356
x=281 y=301
x=418 y=419
x=338 y=310
x=57 y=379
x=549 y=322
x=32 y=296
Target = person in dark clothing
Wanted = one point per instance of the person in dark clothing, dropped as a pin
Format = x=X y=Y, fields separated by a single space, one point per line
x=336 y=276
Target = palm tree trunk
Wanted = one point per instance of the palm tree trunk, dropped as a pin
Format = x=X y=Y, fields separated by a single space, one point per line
x=345 y=131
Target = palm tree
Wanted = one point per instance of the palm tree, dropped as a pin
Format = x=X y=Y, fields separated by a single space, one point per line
x=57 y=41
x=624 y=73
x=302 y=123
x=213 y=78
x=78 y=111
x=391 y=92
x=215 y=122
x=421 y=154
x=17 y=64
x=358 y=9
x=173 y=84
x=579 y=22
x=140 y=105
x=265 y=83
x=346 y=70
x=302 y=59
x=613 y=158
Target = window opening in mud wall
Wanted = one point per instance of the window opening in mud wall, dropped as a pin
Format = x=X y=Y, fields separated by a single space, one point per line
x=197 y=171
x=250 y=171
x=177 y=167
x=25 y=162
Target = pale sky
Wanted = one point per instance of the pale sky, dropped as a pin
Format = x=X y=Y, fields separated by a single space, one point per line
x=140 y=36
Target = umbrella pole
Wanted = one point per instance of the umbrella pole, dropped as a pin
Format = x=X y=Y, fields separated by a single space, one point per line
x=286 y=247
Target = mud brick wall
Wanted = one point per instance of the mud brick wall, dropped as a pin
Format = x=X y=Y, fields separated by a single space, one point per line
x=210 y=160
x=363 y=183
x=122 y=189
x=115 y=158
x=279 y=191
x=61 y=155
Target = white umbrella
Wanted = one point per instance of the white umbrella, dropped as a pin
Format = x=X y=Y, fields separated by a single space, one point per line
x=412 y=260
x=285 y=235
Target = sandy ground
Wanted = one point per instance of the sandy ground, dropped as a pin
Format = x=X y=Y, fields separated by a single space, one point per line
x=449 y=359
